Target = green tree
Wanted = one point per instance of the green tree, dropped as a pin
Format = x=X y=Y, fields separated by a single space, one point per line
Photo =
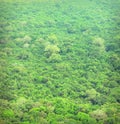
x=51 y=49
x=99 y=115
x=54 y=58
x=92 y=95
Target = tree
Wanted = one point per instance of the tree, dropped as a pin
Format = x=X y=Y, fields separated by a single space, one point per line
x=99 y=115
x=51 y=49
x=92 y=95
x=85 y=118
x=98 y=41
x=8 y=113
x=53 y=38
x=54 y=58
x=114 y=61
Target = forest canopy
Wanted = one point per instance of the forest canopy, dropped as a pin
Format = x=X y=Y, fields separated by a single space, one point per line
x=59 y=62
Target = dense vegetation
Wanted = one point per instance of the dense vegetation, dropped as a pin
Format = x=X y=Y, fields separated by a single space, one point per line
x=59 y=61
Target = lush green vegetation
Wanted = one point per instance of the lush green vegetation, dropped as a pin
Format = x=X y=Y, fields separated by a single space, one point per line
x=59 y=61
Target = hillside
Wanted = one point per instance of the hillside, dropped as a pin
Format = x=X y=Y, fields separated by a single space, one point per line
x=59 y=62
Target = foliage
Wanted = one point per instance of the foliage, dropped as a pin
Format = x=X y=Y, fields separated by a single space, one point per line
x=59 y=62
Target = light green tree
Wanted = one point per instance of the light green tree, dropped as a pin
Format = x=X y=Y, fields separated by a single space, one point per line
x=99 y=115
x=51 y=49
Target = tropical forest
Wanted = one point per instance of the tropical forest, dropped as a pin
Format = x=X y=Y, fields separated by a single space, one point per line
x=59 y=61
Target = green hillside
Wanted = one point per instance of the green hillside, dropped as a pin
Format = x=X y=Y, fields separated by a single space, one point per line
x=59 y=61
